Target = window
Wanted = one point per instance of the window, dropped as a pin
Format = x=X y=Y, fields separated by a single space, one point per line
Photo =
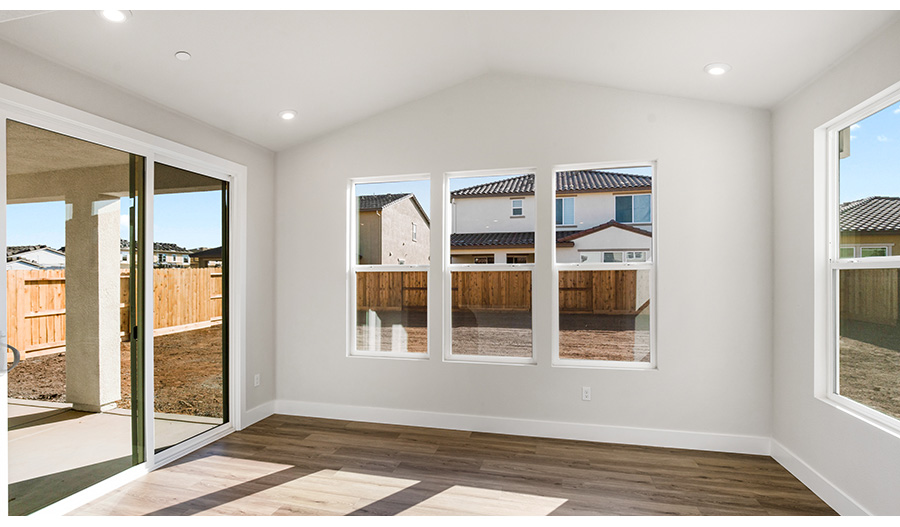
x=864 y=225
x=565 y=211
x=488 y=298
x=605 y=270
x=389 y=277
x=187 y=259
x=633 y=209
x=517 y=208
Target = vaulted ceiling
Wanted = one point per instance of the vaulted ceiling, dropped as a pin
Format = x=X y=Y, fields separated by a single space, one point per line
x=338 y=67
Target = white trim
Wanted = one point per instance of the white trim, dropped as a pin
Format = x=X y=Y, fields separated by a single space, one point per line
x=741 y=444
x=93 y=492
x=43 y=113
x=650 y=264
x=817 y=483
x=447 y=269
x=827 y=165
x=258 y=413
x=353 y=266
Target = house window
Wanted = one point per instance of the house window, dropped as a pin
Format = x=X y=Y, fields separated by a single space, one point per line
x=186 y=259
x=516 y=258
x=605 y=270
x=389 y=280
x=516 y=208
x=565 y=211
x=865 y=276
x=161 y=258
x=124 y=257
x=488 y=299
x=633 y=209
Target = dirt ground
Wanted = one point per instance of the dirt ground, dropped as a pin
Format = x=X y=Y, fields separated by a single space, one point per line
x=508 y=334
x=187 y=374
x=870 y=375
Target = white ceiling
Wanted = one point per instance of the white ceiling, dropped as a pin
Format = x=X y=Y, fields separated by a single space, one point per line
x=337 y=67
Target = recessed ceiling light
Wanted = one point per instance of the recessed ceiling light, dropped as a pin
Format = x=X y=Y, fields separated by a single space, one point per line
x=717 y=68
x=287 y=115
x=114 y=15
x=183 y=55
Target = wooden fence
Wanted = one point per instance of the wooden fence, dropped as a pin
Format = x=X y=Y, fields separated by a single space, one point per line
x=183 y=299
x=871 y=295
x=598 y=292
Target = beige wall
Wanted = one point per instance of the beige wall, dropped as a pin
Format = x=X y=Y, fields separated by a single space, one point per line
x=369 y=251
x=873 y=238
x=396 y=234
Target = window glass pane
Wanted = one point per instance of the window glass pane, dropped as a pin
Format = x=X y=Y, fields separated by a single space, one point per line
x=847 y=252
x=384 y=213
x=491 y=313
x=391 y=311
x=642 y=208
x=593 y=235
x=480 y=217
x=869 y=353
x=866 y=252
x=569 y=211
x=869 y=187
x=623 y=209
x=604 y=315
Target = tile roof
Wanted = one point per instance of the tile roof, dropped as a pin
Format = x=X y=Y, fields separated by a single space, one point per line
x=502 y=239
x=574 y=235
x=157 y=246
x=378 y=201
x=876 y=213
x=570 y=181
x=16 y=249
x=215 y=252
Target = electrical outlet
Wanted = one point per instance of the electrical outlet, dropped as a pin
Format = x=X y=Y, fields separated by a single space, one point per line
x=256 y=380
x=585 y=393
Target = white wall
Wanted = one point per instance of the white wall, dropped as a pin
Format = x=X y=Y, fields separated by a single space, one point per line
x=714 y=330
x=860 y=460
x=38 y=76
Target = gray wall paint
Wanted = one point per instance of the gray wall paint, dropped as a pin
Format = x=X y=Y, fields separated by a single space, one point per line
x=39 y=76
x=859 y=458
x=714 y=186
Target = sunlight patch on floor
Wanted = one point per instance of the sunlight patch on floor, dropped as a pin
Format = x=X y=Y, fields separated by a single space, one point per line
x=460 y=500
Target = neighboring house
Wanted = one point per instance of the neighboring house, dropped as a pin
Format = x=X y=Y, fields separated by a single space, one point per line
x=31 y=257
x=207 y=257
x=164 y=255
x=870 y=227
x=600 y=217
x=393 y=229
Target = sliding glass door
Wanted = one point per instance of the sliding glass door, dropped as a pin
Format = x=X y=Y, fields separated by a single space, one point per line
x=117 y=303
x=73 y=210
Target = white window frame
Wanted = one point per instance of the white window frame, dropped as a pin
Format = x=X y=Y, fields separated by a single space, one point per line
x=414 y=231
x=513 y=207
x=649 y=265
x=828 y=166
x=858 y=247
x=556 y=199
x=43 y=113
x=632 y=222
x=353 y=267
x=448 y=269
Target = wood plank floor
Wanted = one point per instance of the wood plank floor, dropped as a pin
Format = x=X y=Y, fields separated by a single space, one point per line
x=287 y=465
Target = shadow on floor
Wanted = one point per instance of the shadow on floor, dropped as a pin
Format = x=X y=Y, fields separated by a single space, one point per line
x=26 y=497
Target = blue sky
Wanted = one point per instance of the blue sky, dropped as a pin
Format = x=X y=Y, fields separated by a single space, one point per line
x=421 y=188
x=189 y=220
x=873 y=167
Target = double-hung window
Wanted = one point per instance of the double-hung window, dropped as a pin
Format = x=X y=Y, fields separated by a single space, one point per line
x=388 y=286
x=487 y=295
x=605 y=269
x=565 y=211
x=864 y=288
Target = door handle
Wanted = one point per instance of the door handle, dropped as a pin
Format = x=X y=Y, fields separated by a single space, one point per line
x=16 y=357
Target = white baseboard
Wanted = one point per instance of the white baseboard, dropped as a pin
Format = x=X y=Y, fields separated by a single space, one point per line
x=824 y=489
x=527 y=427
x=254 y=415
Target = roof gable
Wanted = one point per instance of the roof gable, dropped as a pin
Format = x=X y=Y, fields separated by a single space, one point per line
x=377 y=202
